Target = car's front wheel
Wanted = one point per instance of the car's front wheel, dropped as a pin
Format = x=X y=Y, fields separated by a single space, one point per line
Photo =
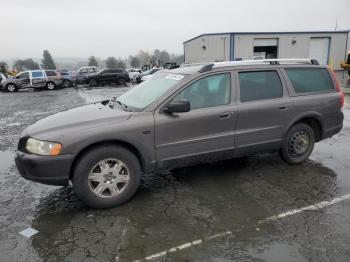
x=93 y=82
x=11 y=87
x=107 y=176
x=122 y=81
x=67 y=83
x=298 y=144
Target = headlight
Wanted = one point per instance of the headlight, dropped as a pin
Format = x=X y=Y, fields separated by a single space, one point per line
x=43 y=147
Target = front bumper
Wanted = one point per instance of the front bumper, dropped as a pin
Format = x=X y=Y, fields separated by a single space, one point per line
x=50 y=170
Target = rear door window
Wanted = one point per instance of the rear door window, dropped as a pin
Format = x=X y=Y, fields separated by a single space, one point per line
x=260 y=85
x=305 y=80
x=37 y=74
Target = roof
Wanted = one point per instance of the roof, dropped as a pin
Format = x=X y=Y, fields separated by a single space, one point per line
x=190 y=69
x=266 y=33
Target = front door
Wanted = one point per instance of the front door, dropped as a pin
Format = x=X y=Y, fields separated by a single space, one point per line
x=23 y=80
x=204 y=133
x=263 y=113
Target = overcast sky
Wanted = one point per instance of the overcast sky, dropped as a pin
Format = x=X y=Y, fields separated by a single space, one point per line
x=74 y=28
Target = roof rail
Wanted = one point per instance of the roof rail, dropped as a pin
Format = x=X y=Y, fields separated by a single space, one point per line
x=269 y=61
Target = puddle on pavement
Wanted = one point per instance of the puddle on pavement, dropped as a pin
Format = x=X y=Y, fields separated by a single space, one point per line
x=277 y=252
x=6 y=160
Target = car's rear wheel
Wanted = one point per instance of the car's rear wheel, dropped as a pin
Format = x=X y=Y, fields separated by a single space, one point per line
x=122 y=81
x=107 y=176
x=298 y=144
x=50 y=86
x=93 y=82
x=11 y=87
x=67 y=83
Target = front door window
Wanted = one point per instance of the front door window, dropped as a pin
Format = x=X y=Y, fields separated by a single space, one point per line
x=214 y=90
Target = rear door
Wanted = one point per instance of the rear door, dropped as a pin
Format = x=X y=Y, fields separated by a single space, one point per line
x=204 y=133
x=38 y=78
x=264 y=111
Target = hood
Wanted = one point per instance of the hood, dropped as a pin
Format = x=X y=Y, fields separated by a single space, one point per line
x=77 y=119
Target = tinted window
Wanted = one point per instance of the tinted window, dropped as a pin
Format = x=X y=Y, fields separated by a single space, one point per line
x=64 y=74
x=259 y=85
x=50 y=73
x=23 y=75
x=209 y=91
x=310 y=79
x=37 y=74
x=83 y=71
x=116 y=71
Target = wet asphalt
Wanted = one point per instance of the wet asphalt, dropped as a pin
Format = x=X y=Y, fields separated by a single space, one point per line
x=179 y=207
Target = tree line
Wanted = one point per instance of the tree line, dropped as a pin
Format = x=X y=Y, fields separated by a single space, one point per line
x=157 y=58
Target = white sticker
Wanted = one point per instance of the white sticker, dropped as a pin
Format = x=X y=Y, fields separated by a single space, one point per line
x=174 y=77
x=29 y=232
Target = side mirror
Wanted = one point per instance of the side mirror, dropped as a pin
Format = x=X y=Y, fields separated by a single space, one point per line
x=179 y=106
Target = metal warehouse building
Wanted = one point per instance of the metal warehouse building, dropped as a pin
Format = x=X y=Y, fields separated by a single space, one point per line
x=327 y=47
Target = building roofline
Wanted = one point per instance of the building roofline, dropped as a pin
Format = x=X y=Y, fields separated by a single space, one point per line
x=265 y=33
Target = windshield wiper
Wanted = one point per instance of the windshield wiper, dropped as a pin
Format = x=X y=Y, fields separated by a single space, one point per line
x=124 y=106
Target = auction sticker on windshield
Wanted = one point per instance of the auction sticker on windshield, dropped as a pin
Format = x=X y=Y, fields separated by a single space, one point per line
x=174 y=77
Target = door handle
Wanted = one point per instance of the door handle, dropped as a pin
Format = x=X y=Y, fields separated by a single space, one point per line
x=282 y=107
x=225 y=115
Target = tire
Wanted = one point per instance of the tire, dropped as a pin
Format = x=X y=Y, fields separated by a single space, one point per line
x=93 y=82
x=93 y=187
x=11 y=87
x=50 y=86
x=66 y=83
x=298 y=144
x=122 y=81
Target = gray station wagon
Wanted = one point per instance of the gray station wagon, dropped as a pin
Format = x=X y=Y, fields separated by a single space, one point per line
x=182 y=117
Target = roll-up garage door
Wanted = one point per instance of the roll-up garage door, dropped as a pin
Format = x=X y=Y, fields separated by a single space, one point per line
x=265 y=42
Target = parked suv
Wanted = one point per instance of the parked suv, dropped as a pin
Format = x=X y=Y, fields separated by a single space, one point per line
x=107 y=76
x=183 y=117
x=37 y=79
x=82 y=71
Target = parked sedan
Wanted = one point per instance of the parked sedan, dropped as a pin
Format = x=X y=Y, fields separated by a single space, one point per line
x=147 y=74
x=134 y=74
x=107 y=76
x=37 y=79
x=69 y=78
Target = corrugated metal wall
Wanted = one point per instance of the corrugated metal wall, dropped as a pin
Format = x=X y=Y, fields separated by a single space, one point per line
x=217 y=48
x=243 y=45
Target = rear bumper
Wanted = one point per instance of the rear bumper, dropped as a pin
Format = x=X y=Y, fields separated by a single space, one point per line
x=45 y=169
x=335 y=124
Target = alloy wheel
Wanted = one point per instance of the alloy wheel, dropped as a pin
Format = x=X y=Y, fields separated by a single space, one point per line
x=108 y=178
x=11 y=87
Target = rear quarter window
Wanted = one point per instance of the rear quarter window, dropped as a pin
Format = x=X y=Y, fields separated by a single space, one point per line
x=50 y=73
x=306 y=80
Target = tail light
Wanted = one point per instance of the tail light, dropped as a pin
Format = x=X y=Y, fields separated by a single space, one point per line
x=337 y=87
x=59 y=76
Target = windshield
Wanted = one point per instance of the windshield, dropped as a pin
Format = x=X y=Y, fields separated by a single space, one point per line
x=147 y=92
